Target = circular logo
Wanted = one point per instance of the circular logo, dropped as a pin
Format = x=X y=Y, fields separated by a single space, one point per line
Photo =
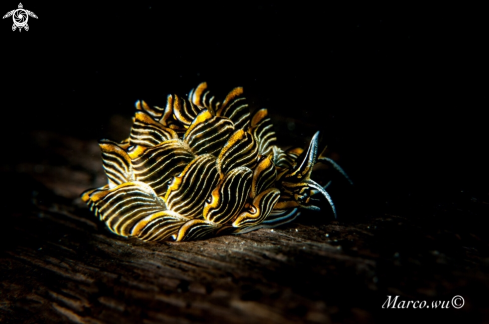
x=458 y=302
x=20 y=17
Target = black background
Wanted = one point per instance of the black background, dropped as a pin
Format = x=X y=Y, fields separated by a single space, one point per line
x=398 y=92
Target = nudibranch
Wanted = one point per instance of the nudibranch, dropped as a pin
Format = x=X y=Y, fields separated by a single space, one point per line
x=199 y=168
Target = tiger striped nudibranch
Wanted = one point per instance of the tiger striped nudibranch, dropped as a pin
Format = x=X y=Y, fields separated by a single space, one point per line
x=199 y=168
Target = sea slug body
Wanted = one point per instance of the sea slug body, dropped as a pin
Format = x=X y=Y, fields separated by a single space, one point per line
x=199 y=168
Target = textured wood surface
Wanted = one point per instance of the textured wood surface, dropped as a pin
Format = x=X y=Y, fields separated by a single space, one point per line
x=59 y=264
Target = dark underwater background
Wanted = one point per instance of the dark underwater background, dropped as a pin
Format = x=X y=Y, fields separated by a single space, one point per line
x=396 y=91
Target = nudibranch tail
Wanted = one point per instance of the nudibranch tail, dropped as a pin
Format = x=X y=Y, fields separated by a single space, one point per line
x=201 y=167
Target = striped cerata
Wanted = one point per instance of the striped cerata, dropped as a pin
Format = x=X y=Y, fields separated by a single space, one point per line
x=200 y=167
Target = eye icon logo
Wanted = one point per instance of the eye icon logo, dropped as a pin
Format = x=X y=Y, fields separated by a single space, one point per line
x=20 y=17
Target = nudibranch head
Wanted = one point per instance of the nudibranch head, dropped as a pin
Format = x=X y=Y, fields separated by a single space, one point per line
x=199 y=167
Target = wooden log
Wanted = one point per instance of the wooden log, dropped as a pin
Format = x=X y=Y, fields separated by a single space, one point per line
x=59 y=264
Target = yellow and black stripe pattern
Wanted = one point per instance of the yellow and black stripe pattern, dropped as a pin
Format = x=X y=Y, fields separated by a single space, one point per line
x=198 y=168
